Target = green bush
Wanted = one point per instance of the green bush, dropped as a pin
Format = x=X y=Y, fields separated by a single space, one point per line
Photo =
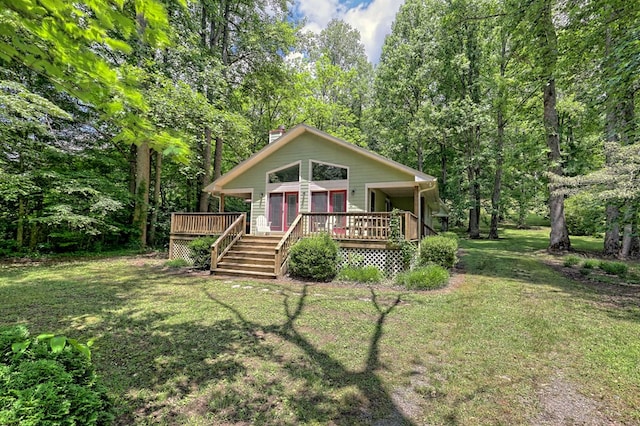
x=571 y=260
x=590 y=264
x=439 y=250
x=48 y=380
x=614 y=268
x=314 y=258
x=360 y=274
x=449 y=234
x=201 y=251
x=585 y=215
x=176 y=263
x=424 y=278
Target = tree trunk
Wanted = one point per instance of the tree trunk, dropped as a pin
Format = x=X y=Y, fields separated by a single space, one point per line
x=500 y=121
x=217 y=158
x=612 y=233
x=627 y=231
x=559 y=237
x=205 y=178
x=444 y=221
x=153 y=223
x=141 y=209
x=22 y=212
x=497 y=180
x=132 y=170
x=473 y=174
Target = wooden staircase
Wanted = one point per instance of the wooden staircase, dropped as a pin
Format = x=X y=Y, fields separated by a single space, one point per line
x=253 y=256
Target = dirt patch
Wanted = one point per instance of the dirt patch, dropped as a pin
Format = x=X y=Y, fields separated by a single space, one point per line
x=562 y=404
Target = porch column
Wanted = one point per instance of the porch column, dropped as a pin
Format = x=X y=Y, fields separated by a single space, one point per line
x=221 y=204
x=416 y=209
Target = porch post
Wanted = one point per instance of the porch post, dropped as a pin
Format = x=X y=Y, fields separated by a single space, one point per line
x=416 y=209
x=221 y=204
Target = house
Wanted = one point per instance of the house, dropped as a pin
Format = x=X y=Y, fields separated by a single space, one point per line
x=314 y=182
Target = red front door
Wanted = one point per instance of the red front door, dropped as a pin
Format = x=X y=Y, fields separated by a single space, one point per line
x=290 y=208
x=283 y=209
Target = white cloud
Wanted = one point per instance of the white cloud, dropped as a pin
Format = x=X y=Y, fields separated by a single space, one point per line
x=372 y=20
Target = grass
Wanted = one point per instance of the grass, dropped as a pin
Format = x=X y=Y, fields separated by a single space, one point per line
x=176 y=348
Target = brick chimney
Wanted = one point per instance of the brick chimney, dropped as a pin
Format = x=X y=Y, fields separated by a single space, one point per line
x=274 y=135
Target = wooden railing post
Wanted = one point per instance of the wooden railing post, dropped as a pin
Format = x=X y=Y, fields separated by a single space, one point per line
x=214 y=257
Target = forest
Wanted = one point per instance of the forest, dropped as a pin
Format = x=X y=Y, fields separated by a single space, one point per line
x=116 y=113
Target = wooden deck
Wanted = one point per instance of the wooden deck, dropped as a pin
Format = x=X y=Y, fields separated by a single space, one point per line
x=358 y=229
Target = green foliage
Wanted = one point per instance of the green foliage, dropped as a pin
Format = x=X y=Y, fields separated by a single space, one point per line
x=614 y=268
x=314 y=258
x=176 y=263
x=48 y=380
x=438 y=250
x=201 y=251
x=450 y=235
x=585 y=215
x=590 y=264
x=428 y=277
x=361 y=274
x=397 y=239
x=571 y=260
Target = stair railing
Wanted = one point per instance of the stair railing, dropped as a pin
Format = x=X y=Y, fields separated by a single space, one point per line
x=294 y=233
x=228 y=238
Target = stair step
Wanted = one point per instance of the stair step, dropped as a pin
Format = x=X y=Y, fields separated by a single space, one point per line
x=250 y=258
x=248 y=274
x=245 y=266
x=262 y=238
x=256 y=243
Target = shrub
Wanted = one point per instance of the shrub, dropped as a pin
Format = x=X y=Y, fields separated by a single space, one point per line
x=439 y=250
x=314 y=258
x=176 y=263
x=614 y=268
x=571 y=260
x=449 y=234
x=201 y=251
x=585 y=215
x=424 y=278
x=360 y=274
x=590 y=264
x=48 y=380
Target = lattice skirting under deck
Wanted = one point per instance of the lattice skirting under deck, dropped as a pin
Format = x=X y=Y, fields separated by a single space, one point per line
x=179 y=249
x=389 y=261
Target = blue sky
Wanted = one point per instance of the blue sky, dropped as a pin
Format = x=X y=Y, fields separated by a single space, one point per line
x=372 y=18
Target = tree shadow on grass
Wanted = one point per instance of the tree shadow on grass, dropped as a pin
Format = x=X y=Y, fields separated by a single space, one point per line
x=371 y=404
x=509 y=261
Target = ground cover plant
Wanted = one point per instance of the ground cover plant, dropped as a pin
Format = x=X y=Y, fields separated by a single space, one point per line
x=427 y=277
x=511 y=341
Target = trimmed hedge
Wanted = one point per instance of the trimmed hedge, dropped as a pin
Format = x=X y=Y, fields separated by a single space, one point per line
x=48 y=380
x=314 y=258
x=440 y=250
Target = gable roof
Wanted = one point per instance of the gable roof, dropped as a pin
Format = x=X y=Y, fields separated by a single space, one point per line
x=291 y=135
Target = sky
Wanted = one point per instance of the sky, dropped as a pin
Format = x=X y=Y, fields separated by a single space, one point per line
x=372 y=18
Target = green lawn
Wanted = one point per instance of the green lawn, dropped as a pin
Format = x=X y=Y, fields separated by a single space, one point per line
x=511 y=341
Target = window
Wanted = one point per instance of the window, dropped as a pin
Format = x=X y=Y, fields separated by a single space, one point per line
x=289 y=174
x=321 y=171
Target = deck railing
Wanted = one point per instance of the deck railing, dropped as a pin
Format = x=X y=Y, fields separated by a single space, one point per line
x=349 y=226
x=224 y=242
x=201 y=223
x=374 y=226
x=295 y=232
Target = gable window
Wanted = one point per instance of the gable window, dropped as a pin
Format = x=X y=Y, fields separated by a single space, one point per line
x=288 y=174
x=320 y=172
